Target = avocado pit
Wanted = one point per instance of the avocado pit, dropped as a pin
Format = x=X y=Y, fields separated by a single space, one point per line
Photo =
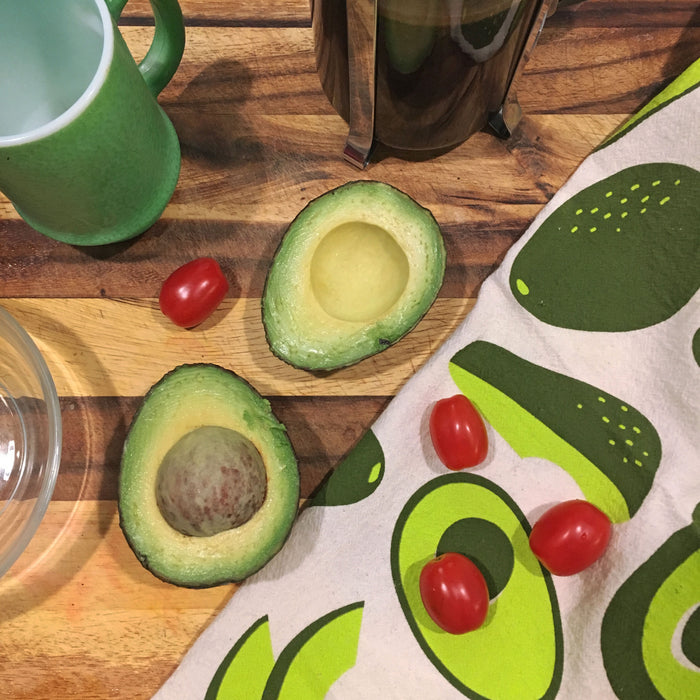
x=358 y=272
x=211 y=480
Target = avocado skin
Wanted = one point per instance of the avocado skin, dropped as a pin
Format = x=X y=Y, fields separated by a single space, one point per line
x=576 y=412
x=376 y=338
x=623 y=627
x=620 y=255
x=293 y=483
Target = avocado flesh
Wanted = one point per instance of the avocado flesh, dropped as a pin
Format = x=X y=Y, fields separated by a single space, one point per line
x=356 y=270
x=188 y=398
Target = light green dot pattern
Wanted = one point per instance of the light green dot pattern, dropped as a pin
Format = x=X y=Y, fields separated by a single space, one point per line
x=620 y=427
x=522 y=287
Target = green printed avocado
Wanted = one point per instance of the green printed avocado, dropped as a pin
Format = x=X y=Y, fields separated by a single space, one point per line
x=470 y=514
x=658 y=603
x=687 y=81
x=245 y=669
x=356 y=477
x=317 y=657
x=607 y=446
x=306 y=668
x=620 y=255
x=696 y=346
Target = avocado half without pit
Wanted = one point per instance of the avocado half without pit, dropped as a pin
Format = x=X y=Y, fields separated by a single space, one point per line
x=355 y=271
x=209 y=484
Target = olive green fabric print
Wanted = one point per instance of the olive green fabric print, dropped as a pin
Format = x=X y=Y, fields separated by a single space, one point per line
x=696 y=346
x=486 y=545
x=620 y=255
x=356 y=477
x=690 y=638
x=608 y=447
x=658 y=603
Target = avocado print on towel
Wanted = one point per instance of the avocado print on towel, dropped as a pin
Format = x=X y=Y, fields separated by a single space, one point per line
x=621 y=255
x=356 y=477
x=650 y=636
x=607 y=446
x=685 y=83
x=305 y=669
x=468 y=514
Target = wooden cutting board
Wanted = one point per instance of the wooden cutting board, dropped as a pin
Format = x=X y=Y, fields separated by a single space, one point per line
x=79 y=617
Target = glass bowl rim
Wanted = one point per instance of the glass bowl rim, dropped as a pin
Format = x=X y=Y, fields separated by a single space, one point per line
x=20 y=339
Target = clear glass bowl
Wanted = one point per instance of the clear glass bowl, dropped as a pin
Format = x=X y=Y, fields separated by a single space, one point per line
x=30 y=439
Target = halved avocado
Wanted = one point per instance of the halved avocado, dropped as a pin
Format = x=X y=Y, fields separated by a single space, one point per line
x=356 y=270
x=209 y=483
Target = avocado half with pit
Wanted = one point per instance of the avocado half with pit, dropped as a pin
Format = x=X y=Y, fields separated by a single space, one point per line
x=355 y=271
x=209 y=483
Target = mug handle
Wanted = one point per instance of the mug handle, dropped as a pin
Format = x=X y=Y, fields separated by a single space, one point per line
x=165 y=53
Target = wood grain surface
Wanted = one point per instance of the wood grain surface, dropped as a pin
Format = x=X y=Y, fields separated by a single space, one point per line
x=79 y=617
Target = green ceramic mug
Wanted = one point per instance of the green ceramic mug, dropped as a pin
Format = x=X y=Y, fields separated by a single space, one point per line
x=87 y=155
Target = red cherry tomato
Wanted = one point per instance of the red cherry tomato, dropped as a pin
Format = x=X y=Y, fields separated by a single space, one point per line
x=192 y=292
x=454 y=592
x=570 y=536
x=458 y=433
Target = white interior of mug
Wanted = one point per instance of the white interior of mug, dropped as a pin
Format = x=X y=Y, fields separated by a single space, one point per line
x=54 y=57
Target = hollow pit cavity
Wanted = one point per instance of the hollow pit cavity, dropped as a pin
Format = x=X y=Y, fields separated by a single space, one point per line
x=358 y=272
